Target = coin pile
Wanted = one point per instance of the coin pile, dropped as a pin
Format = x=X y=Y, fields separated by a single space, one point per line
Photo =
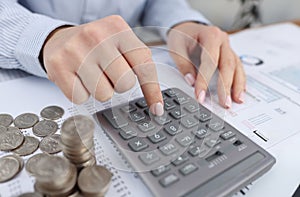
x=57 y=176
x=54 y=175
x=13 y=140
x=77 y=138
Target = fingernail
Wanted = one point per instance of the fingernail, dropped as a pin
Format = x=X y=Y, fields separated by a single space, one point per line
x=242 y=97
x=157 y=109
x=201 y=97
x=228 y=102
x=189 y=78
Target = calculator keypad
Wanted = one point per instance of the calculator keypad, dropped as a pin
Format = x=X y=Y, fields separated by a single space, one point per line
x=188 y=140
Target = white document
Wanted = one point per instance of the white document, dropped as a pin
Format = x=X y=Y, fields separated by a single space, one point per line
x=271 y=110
x=272 y=105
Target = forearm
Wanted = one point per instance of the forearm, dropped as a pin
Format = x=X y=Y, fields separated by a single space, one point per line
x=22 y=35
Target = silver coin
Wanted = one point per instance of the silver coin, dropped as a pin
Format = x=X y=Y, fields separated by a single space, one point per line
x=34 y=161
x=6 y=120
x=32 y=194
x=45 y=128
x=11 y=140
x=9 y=168
x=13 y=129
x=3 y=129
x=26 y=120
x=94 y=180
x=59 y=186
x=21 y=161
x=29 y=146
x=52 y=112
x=52 y=168
x=51 y=144
x=77 y=128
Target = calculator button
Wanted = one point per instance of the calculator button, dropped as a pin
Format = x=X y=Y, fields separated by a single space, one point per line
x=169 y=104
x=141 y=103
x=180 y=99
x=147 y=111
x=161 y=170
x=168 y=180
x=157 y=137
x=212 y=142
x=168 y=149
x=201 y=133
x=227 y=135
x=185 y=139
x=196 y=150
x=177 y=113
x=164 y=96
x=192 y=107
x=127 y=133
x=162 y=120
x=146 y=126
x=188 y=169
x=129 y=108
x=180 y=160
x=115 y=119
x=149 y=157
x=189 y=122
x=170 y=92
x=237 y=143
x=173 y=128
x=137 y=144
x=216 y=125
x=136 y=116
x=203 y=116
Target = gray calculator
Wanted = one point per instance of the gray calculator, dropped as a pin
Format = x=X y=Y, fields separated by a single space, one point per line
x=188 y=151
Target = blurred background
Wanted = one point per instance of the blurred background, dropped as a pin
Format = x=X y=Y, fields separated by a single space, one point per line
x=232 y=15
x=224 y=13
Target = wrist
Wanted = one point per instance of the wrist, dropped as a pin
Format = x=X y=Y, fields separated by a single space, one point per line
x=41 y=55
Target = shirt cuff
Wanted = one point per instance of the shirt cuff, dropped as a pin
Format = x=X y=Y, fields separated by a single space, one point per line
x=31 y=41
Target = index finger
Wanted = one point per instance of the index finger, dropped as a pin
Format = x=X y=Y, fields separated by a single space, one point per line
x=139 y=57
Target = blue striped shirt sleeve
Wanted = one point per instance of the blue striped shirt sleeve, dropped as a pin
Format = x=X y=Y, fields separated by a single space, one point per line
x=22 y=35
x=167 y=13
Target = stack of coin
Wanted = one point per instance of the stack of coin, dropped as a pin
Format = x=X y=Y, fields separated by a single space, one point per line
x=94 y=181
x=77 y=138
x=55 y=176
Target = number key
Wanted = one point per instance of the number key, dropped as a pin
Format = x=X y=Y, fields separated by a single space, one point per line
x=173 y=128
x=157 y=137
